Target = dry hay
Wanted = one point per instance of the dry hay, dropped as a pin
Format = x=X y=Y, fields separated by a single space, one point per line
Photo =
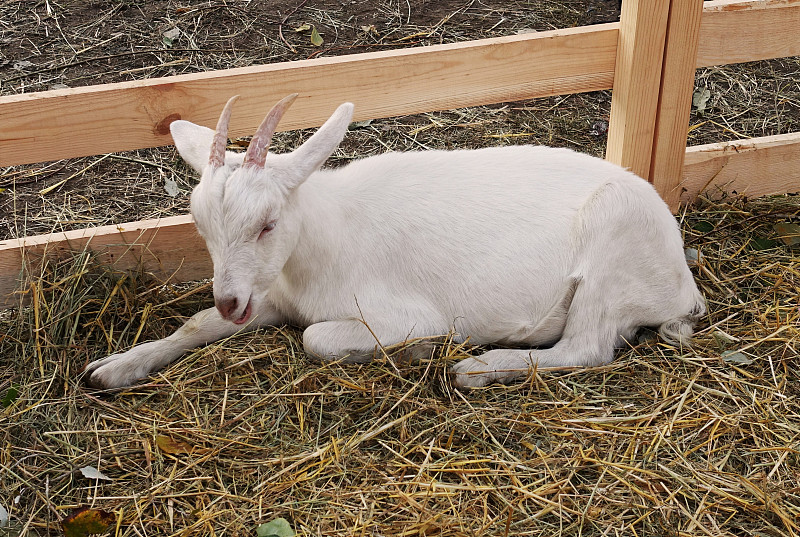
x=662 y=441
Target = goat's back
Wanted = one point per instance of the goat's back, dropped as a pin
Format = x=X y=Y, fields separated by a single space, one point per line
x=477 y=231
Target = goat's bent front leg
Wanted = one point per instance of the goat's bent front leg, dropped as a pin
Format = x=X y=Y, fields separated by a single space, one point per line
x=353 y=341
x=207 y=326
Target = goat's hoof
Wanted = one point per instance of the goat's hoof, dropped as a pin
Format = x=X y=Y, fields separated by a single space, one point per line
x=471 y=373
x=499 y=365
x=103 y=375
x=118 y=370
x=90 y=381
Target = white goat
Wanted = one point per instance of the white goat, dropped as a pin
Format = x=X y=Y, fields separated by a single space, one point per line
x=522 y=246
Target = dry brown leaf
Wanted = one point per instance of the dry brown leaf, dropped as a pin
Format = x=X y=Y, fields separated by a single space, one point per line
x=172 y=446
x=788 y=233
x=177 y=447
x=84 y=522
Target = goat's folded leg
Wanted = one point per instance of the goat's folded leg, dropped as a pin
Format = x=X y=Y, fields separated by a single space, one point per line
x=125 y=368
x=354 y=341
x=592 y=331
x=586 y=349
x=508 y=365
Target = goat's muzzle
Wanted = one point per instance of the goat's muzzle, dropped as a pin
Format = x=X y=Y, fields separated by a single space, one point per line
x=228 y=306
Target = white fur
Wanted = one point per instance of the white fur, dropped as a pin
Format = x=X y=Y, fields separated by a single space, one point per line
x=524 y=246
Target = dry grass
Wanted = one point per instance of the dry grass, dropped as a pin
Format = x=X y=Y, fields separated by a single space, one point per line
x=663 y=441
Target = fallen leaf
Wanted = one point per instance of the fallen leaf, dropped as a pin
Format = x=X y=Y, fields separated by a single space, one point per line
x=172 y=446
x=316 y=39
x=93 y=473
x=303 y=28
x=275 y=528
x=704 y=226
x=759 y=243
x=735 y=357
x=360 y=124
x=84 y=522
x=3 y=516
x=171 y=186
x=170 y=36
x=700 y=98
x=22 y=64
x=11 y=395
x=599 y=128
x=788 y=233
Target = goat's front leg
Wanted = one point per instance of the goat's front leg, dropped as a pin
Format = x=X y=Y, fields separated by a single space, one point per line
x=125 y=368
x=353 y=341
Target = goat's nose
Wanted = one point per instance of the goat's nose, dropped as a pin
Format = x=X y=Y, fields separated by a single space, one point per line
x=226 y=306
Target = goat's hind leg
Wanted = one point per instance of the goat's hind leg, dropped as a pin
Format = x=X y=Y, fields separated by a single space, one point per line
x=589 y=338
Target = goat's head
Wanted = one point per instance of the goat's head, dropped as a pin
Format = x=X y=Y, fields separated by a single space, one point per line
x=241 y=198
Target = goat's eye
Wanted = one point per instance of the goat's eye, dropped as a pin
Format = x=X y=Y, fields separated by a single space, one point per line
x=269 y=226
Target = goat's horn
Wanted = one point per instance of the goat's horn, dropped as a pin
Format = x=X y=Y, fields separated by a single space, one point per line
x=216 y=159
x=257 y=151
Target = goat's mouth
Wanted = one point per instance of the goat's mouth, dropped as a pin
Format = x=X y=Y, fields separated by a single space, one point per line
x=248 y=311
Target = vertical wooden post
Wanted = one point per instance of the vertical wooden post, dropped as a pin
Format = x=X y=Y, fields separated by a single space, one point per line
x=675 y=100
x=637 y=82
x=652 y=95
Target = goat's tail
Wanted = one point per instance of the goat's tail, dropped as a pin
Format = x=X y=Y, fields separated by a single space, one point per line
x=678 y=331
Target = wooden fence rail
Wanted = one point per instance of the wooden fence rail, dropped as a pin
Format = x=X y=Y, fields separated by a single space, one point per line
x=135 y=115
x=42 y=126
x=648 y=59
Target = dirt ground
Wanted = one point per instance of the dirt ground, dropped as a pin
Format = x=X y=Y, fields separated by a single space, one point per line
x=49 y=45
x=663 y=441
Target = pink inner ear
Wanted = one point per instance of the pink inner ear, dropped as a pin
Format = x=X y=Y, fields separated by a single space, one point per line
x=216 y=158
x=256 y=154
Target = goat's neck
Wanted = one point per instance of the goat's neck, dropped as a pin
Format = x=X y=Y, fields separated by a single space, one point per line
x=316 y=212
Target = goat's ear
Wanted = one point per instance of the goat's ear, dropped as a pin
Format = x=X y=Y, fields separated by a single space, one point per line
x=193 y=142
x=307 y=158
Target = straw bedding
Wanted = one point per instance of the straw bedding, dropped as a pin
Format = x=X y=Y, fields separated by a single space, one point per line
x=663 y=441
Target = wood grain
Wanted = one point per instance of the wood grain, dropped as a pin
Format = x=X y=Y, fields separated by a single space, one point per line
x=754 y=167
x=132 y=115
x=734 y=31
x=675 y=98
x=168 y=248
x=634 y=100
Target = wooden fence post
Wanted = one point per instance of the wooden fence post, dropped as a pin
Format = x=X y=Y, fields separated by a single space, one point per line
x=675 y=99
x=652 y=95
x=637 y=82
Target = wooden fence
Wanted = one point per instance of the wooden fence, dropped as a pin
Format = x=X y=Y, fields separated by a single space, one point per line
x=648 y=59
